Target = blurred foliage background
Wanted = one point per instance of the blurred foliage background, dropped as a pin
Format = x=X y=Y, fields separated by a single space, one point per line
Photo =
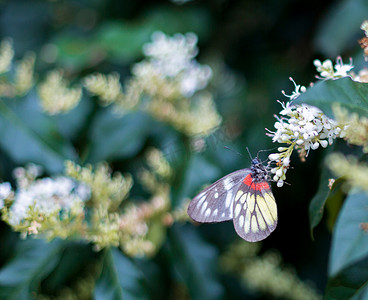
x=252 y=47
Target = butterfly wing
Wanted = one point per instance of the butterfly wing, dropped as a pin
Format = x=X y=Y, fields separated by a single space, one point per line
x=215 y=203
x=255 y=211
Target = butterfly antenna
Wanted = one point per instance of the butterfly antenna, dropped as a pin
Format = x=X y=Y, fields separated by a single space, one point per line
x=265 y=150
x=250 y=155
x=233 y=150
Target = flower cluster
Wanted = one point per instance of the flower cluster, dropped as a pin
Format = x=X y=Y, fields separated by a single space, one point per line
x=37 y=203
x=87 y=204
x=301 y=127
x=56 y=95
x=168 y=84
x=355 y=173
x=356 y=129
x=106 y=87
x=328 y=71
x=305 y=127
x=24 y=77
x=173 y=57
x=21 y=79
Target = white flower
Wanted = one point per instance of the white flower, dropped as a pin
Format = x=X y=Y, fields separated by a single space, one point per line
x=287 y=108
x=328 y=71
x=171 y=54
x=195 y=78
x=47 y=195
x=298 y=89
x=280 y=183
x=174 y=58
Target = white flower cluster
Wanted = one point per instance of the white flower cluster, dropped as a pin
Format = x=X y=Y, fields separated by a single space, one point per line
x=46 y=196
x=174 y=58
x=328 y=71
x=302 y=127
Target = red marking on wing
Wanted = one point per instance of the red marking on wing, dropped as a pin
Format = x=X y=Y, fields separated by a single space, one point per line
x=248 y=180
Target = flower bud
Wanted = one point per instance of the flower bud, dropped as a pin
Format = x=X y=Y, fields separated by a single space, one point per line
x=324 y=143
x=274 y=156
x=279 y=172
x=315 y=146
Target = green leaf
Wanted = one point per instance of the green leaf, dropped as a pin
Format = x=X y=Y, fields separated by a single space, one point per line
x=347 y=93
x=172 y=20
x=123 y=40
x=76 y=259
x=316 y=206
x=334 y=202
x=113 y=136
x=196 y=172
x=348 y=264
x=28 y=135
x=194 y=263
x=339 y=29
x=71 y=123
x=34 y=259
x=120 y=278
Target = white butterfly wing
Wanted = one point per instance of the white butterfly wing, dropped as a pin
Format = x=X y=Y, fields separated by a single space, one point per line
x=215 y=203
x=255 y=212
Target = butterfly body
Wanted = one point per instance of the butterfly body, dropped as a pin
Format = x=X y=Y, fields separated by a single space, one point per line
x=243 y=196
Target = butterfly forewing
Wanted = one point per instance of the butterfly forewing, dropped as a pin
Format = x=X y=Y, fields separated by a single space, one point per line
x=215 y=203
x=254 y=211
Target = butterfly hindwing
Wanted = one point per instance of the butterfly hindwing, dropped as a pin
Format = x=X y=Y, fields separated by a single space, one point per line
x=215 y=203
x=254 y=210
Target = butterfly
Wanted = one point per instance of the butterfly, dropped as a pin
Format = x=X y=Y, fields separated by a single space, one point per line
x=244 y=196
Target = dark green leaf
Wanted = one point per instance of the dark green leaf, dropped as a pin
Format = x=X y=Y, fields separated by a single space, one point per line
x=71 y=123
x=334 y=202
x=183 y=20
x=348 y=264
x=113 y=136
x=120 y=278
x=317 y=204
x=197 y=172
x=124 y=40
x=347 y=93
x=33 y=261
x=194 y=263
x=75 y=260
x=335 y=36
x=28 y=135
